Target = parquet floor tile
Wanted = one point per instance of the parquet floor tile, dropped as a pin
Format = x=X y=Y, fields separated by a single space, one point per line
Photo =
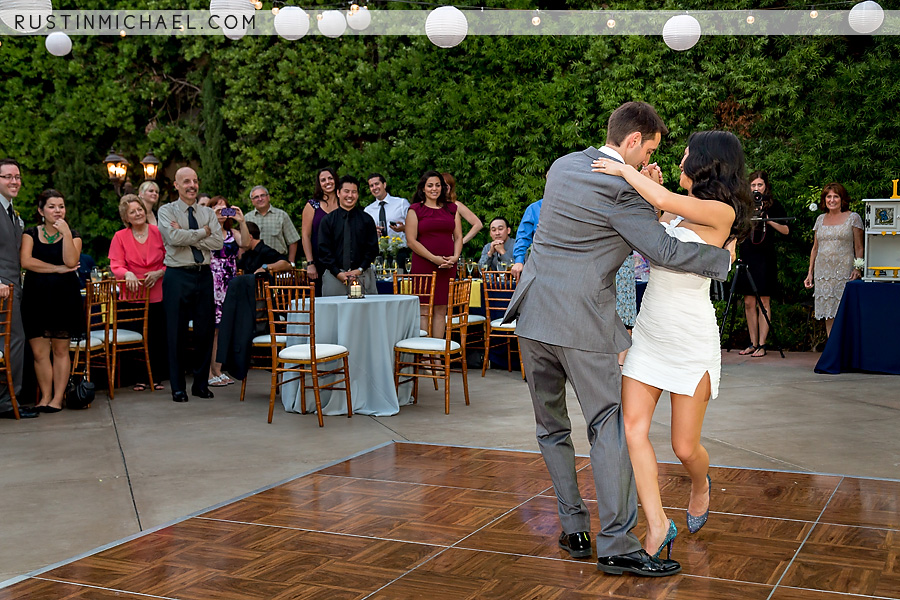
x=857 y=560
x=776 y=494
x=865 y=502
x=466 y=574
x=444 y=523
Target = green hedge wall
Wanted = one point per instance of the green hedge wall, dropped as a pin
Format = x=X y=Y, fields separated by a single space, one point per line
x=494 y=111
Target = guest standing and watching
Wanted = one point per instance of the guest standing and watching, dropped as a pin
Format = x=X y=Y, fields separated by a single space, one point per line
x=275 y=225
x=434 y=234
x=388 y=212
x=464 y=212
x=324 y=201
x=759 y=254
x=223 y=264
x=148 y=193
x=838 y=240
x=190 y=233
x=11 y=284
x=52 y=310
x=348 y=243
x=524 y=236
x=136 y=254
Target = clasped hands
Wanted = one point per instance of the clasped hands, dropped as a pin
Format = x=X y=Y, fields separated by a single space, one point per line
x=614 y=167
x=132 y=283
x=445 y=262
x=343 y=276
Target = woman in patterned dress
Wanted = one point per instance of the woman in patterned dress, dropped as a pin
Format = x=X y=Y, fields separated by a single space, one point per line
x=839 y=239
x=223 y=264
x=324 y=201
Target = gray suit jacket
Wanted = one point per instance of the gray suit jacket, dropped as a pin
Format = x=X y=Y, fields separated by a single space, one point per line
x=10 y=243
x=589 y=224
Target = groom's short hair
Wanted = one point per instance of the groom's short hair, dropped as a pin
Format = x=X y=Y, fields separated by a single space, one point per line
x=631 y=117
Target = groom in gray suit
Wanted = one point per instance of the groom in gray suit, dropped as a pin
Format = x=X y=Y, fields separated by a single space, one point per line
x=565 y=306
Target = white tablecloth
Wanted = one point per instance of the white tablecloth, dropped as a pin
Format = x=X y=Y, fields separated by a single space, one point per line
x=368 y=328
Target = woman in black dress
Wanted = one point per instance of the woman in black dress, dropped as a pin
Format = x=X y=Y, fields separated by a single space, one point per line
x=759 y=253
x=52 y=311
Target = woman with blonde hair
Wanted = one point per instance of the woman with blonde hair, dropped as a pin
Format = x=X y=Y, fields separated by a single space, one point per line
x=148 y=194
x=136 y=255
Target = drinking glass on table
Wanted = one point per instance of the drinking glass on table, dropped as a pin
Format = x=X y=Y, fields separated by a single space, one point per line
x=408 y=265
x=394 y=266
x=470 y=266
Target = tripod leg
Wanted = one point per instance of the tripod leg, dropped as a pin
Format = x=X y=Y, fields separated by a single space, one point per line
x=765 y=313
x=729 y=314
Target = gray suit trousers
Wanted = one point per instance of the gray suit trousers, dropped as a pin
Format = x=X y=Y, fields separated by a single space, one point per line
x=597 y=382
x=16 y=353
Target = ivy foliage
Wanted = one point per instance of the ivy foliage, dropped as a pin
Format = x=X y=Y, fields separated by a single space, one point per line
x=494 y=111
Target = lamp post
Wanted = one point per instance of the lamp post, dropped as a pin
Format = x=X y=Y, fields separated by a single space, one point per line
x=117 y=168
x=151 y=166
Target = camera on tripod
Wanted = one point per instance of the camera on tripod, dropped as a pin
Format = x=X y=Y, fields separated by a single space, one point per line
x=760 y=211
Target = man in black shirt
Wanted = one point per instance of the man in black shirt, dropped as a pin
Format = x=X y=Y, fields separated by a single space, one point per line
x=348 y=243
x=259 y=258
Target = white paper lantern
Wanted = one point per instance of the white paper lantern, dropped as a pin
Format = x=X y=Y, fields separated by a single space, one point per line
x=231 y=16
x=58 y=43
x=359 y=19
x=332 y=24
x=292 y=23
x=446 y=26
x=681 y=32
x=866 y=17
x=31 y=12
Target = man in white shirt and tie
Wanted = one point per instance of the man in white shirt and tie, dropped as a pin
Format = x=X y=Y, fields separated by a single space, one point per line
x=388 y=212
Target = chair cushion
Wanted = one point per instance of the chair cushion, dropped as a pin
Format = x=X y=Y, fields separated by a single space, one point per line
x=300 y=352
x=473 y=320
x=95 y=342
x=498 y=324
x=125 y=336
x=425 y=343
x=265 y=340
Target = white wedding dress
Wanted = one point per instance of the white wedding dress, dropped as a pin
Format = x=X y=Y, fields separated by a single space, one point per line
x=676 y=338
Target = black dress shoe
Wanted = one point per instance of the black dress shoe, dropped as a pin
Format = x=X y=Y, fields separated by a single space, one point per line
x=24 y=413
x=202 y=393
x=179 y=397
x=639 y=563
x=578 y=545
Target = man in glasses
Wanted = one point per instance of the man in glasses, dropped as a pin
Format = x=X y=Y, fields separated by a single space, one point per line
x=10 y=285
x=275 y=226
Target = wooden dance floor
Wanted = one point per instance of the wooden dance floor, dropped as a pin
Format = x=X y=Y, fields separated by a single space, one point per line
x=409 y=521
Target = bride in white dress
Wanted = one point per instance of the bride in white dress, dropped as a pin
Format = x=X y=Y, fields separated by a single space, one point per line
x=676 y=339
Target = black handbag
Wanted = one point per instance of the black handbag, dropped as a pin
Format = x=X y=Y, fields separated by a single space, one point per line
x=79 y=393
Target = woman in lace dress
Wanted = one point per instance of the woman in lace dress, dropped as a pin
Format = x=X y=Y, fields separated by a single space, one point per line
x=676 y=338
x=839 y=239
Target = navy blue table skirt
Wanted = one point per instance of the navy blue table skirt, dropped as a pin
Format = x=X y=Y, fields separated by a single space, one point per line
x=866 y=332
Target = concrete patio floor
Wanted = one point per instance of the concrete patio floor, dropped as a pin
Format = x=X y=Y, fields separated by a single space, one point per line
x=77 y=480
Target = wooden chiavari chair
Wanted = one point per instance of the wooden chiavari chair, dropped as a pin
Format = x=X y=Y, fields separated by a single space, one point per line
x=439 y=353
x=100 y=311
x=421 y=285
x=498 y=290
x=6 y=312
x=292 y=314
x=129 y=332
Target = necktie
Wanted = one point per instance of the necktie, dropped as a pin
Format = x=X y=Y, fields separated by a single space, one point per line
x=382 y=218
x=12 y=214
x=192 y=224
x=346 y=257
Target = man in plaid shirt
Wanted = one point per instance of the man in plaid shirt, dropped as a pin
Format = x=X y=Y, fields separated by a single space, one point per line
x=275 y=226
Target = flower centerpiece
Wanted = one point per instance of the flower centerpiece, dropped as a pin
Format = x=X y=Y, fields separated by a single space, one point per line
x=389 y=245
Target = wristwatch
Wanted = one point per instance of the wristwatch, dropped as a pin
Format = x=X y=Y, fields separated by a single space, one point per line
x=265 y=268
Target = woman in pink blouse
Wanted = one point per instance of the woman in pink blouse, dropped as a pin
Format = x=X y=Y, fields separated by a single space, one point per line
x=136 y=255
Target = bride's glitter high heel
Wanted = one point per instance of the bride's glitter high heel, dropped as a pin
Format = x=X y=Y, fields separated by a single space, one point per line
x=694 y=524
x=669 y=541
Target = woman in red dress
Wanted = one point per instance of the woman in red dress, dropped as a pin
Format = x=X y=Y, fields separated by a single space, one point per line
x=434 y=234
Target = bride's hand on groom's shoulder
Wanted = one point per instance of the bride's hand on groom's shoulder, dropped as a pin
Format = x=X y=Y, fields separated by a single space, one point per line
x=610 y=167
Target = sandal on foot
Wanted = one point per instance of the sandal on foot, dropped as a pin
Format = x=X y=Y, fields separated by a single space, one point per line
x=748 y=350
x=139 y=387
x=216 y=381
x=158 y=387
x=760 y=348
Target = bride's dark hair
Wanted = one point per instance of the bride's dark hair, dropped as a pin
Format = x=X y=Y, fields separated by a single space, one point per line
x=715 y=165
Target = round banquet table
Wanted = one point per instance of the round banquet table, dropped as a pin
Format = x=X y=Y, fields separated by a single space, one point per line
x=368 y=327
